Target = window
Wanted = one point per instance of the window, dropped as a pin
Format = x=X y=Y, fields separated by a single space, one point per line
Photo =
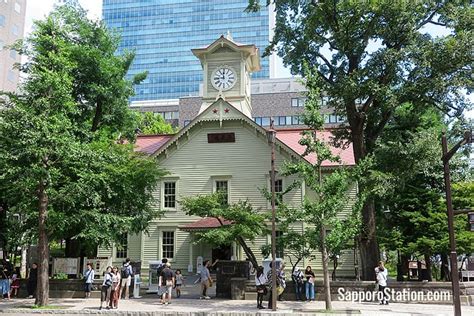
x=281 y=120
x=288 y=120
x=121 y=247
x=2 y=20
x=258 y=120
x=17 y=7
x=279 y=249
x=265 y=121
x=278 y=191
x=11 y=75
x=295 y=120
x=167 y=245
x=15 y=30
x=169 y=194
x=222 y=186
x=298 y=102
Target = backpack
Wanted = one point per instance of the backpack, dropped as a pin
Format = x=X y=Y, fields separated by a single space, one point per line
x=125 y=272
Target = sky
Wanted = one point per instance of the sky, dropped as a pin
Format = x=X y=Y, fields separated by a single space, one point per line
x=38 y=9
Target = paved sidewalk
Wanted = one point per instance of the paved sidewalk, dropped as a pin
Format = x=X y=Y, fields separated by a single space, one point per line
x=149 y=306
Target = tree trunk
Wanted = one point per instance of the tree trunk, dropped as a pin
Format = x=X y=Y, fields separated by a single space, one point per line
x=445 y=275
x=248 y=252
x=325 y=259
x=368 y=246
x=42 y=290
x=428 y=267
x=23 y=262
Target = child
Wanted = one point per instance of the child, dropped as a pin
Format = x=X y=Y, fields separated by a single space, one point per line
x=179 y=282
x=15 y=285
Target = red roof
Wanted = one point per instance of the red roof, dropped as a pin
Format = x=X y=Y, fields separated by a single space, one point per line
x=292 y=137
x=149 y=144
x=205 y=223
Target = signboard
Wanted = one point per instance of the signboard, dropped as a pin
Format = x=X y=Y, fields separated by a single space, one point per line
x=68 y=266
x=98 y=264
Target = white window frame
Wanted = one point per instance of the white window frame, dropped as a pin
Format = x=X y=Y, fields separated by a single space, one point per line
x=222 y=178
x=127 y=250
x=268 y=180
x=162 y=194
x=164 y=230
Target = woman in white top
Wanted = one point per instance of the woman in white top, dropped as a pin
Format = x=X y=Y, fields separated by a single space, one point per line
x=381 y=274
x=106 y=288
x=115 y=288
x=260 y=282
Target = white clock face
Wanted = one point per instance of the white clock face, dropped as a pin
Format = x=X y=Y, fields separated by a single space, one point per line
x=223 y=78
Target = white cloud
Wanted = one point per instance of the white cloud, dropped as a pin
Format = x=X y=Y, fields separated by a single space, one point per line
x=38 y=9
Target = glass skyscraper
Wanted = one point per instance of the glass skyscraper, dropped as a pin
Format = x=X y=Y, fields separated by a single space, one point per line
x=163 y=32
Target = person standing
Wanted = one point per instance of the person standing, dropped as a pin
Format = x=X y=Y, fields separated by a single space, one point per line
x=269 y=284
x=4 y=282
x=260 y=283
x=88 y=279
x=309 y=274
x=32 y=280
x=298 y=281
x=126 y=276
x=106 y=288
x=115 y=289
x=179 y=282
x=166 y=280
x=282 y=278
x=381 y=274
x=205 y=277
x=15 y=286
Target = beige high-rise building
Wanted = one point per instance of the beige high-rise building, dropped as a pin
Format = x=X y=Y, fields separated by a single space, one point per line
x=12 y=24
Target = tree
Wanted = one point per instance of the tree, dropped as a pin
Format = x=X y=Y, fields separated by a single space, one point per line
x=333 y=219
x=151 y=124
x=239 y=222
x=415 y=221
x=61 y=162
x=370 y=58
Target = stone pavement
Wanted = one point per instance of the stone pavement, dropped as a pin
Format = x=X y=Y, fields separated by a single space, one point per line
x=149 y=306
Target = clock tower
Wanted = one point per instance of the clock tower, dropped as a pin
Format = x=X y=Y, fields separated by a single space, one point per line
x=227 y=66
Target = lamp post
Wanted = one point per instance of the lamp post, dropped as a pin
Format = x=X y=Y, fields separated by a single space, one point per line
x=447 y=155
x=271 y=135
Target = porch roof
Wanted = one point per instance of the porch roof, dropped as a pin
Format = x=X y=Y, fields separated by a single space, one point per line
x=204 y=224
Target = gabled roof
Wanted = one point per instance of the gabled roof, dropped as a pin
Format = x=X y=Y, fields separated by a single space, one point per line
x=205 y=224
x=292 y=137
x=222 y=110
x=149 y=144
x=250 y=50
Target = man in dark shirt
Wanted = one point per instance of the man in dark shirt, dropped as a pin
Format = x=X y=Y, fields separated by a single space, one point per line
x=166 y=282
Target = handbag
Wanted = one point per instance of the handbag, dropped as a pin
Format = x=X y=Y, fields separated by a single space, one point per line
x=210 y=282
x=280 y=290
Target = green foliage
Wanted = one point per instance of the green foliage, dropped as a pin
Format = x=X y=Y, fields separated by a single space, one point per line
x=247 y=223
x=61 y=131
x=151 y=124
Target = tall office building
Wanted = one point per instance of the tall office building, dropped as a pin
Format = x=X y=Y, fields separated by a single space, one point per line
x=12 y=23
x=162 y=33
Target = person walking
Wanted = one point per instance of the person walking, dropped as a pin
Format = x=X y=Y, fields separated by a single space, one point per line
x=115 y=289
x=260 y=283
x=126 y=276
x=282 y=278
x=106 y=288
x=298 y=280
x=179 y=282
x=88 y=279
x=205 y=277
x=381 y=274
x=310 y=278
x=32 y=280
x=166 y=280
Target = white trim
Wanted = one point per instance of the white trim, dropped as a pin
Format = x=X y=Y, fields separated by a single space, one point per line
x=162 y=193
x=222 y=178
x=160 y=241
x=267 y=180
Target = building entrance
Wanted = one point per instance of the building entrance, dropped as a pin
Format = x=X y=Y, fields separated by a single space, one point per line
x=222 y=253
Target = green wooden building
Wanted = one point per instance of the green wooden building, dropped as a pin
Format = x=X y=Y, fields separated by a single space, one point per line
x=222 y=148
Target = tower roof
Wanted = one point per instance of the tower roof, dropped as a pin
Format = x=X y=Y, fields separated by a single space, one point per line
x=249 y=49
